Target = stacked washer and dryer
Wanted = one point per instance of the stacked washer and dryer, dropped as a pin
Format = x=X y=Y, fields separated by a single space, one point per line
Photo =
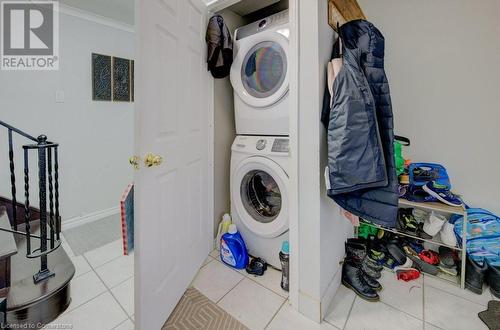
x=260 y=152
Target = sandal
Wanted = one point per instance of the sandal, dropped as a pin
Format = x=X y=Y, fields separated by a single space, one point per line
x=257 y=267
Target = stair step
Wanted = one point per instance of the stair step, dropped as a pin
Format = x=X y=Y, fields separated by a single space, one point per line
x=32 y=303
x=8 y=248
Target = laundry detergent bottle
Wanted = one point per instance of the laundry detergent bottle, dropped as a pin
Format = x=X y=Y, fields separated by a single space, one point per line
x=233 y=251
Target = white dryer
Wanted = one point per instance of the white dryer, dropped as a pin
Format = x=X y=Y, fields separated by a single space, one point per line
x=260 y=74
x=259 y=193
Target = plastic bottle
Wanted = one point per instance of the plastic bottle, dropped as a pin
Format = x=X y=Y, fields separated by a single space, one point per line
x=223 y=228
x=233 y=251
x=285 y=265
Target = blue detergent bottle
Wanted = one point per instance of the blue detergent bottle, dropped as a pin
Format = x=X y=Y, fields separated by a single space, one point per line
x=233 y=251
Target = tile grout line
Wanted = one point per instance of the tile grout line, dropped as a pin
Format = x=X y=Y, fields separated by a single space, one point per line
x=128 y=319
x=276 y=313
x=455 y=295
x=246 y=275
x=423 y=302
x=217 y=302
x=110 y=292
x=400 y=310
x=350 y=310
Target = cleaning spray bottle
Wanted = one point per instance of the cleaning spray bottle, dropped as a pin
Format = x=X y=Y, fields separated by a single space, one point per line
x=233 y=251
x=285 y=265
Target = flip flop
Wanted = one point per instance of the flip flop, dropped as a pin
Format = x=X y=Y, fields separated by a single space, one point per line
x=396 y=253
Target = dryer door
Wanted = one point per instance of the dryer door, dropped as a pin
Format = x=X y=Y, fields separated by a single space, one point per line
x=259 y=73
x=260 y=192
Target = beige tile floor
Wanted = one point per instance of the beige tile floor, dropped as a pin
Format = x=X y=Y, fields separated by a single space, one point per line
x=260 y=303
x=102 y=291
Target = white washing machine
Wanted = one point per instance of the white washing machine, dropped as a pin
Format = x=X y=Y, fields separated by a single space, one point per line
x=259 y=75
x=259 y=193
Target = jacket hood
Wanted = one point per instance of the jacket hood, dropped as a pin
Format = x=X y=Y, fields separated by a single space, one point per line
x=364 y=36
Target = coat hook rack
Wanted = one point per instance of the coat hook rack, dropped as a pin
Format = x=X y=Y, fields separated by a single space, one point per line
x=343 y=11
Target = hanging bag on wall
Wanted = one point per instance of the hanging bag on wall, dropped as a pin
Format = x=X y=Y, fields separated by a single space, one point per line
x=399 y=142
x=219 y=46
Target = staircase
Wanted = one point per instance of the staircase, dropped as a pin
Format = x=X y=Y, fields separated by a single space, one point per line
x=35 y=271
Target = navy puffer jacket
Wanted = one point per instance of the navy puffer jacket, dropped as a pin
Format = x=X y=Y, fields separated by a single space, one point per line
x=362 y=174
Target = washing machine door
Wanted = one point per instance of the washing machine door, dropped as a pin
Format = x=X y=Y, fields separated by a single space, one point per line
x=259 y=73
x=260 y=192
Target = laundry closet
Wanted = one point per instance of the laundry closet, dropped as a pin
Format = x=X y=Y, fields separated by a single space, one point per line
x=251 y=122
x=317 y=232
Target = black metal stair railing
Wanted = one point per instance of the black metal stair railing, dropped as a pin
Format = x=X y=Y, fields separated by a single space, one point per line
x=48 y=174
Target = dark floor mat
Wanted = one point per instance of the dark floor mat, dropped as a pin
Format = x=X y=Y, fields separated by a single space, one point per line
x=491 y=316
x=195 y=311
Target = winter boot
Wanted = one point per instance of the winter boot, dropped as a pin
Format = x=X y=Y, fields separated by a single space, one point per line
x=494 y=280
x=352 y=278
x=356 y=248
x=474 y=275
x=373 y=283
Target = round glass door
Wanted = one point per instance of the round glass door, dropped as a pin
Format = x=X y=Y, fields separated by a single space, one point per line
x=261 y=196
x=264 y=69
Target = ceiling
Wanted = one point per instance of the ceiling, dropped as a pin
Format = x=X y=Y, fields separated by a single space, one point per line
x=118 y=10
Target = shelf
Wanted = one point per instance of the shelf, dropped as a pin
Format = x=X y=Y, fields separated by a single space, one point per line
x=454 y=280
x=433 y=206
x=434 y=240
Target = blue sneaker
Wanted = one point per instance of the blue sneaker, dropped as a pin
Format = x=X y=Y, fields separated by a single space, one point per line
x=442 y=193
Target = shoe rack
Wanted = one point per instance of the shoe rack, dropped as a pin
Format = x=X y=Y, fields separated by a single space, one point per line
x=458 y=280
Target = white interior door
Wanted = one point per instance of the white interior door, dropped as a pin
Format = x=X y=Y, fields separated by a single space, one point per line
x=172 y=213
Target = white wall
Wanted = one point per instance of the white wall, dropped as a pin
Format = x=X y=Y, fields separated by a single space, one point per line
x=96 y=138
x=224 y=132
x=334 y=227
x=322 y=231
x=442 y=62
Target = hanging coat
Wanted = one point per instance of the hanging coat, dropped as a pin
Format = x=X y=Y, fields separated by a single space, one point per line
x=360 y=133
x=219 y=47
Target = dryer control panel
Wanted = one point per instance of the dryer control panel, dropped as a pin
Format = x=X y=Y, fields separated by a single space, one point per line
x=262 y=25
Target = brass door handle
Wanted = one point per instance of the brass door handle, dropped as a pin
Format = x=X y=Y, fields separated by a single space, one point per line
x=152 y=160
x=134 y=161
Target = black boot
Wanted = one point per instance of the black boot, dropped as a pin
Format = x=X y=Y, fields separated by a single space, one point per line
x=494 y=280
x=474 y=275
x=353 y=278
x=356 y=249
x=372 y=282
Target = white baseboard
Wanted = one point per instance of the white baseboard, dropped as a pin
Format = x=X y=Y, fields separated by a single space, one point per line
x=88 y=218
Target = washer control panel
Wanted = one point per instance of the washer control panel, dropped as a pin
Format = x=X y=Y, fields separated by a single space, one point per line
x=261 y=144
x=281 y=145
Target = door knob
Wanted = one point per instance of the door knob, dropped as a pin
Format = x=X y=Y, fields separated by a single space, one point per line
x=134 y=161
x=152 y=160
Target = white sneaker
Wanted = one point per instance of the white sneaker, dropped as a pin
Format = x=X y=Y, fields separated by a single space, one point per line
x=434 y=223
x=448 y=235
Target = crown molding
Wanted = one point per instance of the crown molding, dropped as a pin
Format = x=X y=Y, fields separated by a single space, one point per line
x=86 y=15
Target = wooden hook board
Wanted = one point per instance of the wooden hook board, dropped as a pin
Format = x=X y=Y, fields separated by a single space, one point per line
x=342 y=11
